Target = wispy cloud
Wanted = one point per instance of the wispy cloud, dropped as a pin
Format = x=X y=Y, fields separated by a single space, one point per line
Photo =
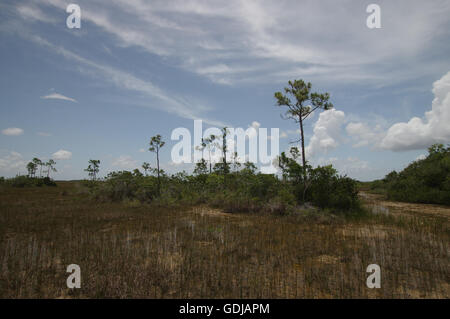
x=12 y=131
x=269 y=39
x=171 y=102
x=57 y=96
x=125 y=162
x=44 y=134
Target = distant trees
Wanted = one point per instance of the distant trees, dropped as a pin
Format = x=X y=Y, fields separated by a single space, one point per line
x=35 y=162
x=423 y=181
x=50 y=167
x=210 y=143
x=31 y=167
x=93 y=168
x=39 y=163
x=223 y=167
x=146 y=167
x=298 y=110
x=156 y=143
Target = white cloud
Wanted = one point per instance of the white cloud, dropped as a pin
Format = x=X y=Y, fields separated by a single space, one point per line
x=44 y=134
x=34 y=13
x=171 y=102
x=62 y=155
x=142 y=150
x=363 y=135
x=264 y=36
x=57 y=96
x=327 y=132
x=125 y=162
x=420 y=133
x=421 y=157
x=12 y=131
x=11 y=163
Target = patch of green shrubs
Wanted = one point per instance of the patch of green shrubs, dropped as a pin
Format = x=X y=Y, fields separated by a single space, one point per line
x=423 y=181
x=238 y=190
x=21 y=181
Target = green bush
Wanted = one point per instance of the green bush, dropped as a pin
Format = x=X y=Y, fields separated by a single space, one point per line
x=329 y=190
x=423 y=181
x=239 y=191
x=21 y=181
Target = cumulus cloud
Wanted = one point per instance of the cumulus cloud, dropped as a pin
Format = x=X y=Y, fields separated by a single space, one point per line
x=62 y=155
x=125 y=162
x=12 y=131
x=420 y=133
x=11 y=162
x=326 y=132
x=57 y=96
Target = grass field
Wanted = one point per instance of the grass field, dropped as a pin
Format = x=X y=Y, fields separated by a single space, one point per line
x=127 y=250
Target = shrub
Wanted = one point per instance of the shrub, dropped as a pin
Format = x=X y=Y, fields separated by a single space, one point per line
x=240 y=191
x=423 y=181
x=25 y=181
x=329 y=190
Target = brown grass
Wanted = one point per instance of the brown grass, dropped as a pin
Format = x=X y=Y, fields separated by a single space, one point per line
x=132 y=251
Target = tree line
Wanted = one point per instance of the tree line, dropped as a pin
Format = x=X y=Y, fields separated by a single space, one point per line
x=44 y=167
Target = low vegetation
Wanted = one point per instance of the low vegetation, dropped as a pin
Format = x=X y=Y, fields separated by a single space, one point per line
x=423 y=181
x=226 y=230
x=127 y=250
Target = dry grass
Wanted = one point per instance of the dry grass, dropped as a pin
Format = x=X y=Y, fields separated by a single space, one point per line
x=131 y=251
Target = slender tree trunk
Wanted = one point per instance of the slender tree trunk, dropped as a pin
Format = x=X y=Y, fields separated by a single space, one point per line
x=157 y=163
x=210 y=163
x=303 y=156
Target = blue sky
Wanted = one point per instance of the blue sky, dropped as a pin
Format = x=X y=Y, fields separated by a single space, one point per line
x=140 y=68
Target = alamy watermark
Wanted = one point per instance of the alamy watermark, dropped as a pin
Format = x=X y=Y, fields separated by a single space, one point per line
x=192 y=148
x=73 y=21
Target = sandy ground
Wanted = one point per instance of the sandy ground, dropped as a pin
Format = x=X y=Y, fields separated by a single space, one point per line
x=378 y=203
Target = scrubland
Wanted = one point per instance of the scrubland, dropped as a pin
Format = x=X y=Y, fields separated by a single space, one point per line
x=130 y=249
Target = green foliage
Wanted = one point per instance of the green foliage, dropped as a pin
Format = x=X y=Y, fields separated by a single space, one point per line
x=201 y=167
x=323 y=186
x=156 y=143
x=328 y=189
x=124 y=185
x=239 y=191
x=21 y=181
x=423 y=181
x=93 y=169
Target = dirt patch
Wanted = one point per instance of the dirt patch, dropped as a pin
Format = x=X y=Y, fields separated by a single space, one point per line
x=326 y=259
x=375 y=231
x=208 y=211
x=405 y=208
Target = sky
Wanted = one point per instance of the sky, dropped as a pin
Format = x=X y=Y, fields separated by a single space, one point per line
x=138 y=68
